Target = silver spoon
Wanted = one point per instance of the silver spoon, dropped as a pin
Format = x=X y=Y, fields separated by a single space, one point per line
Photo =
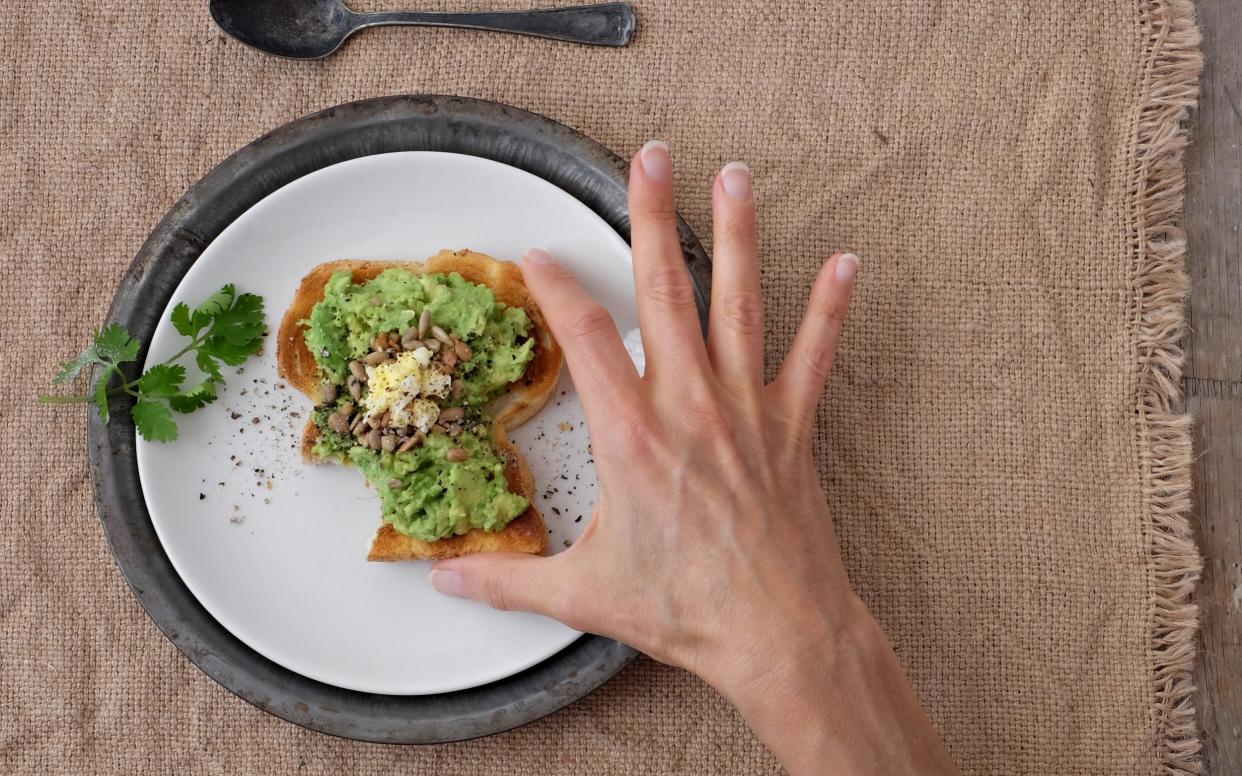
x=311 y=29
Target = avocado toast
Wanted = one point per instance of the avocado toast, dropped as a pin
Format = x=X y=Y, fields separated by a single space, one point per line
x=417 y=370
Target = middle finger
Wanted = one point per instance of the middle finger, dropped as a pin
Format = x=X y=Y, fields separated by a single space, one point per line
x=667 y=314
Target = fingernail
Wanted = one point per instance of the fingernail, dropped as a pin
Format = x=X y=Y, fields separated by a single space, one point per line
x=445 y=581
x=537 y=256
x=735 y=180
x=847 y=266
x=656 y=163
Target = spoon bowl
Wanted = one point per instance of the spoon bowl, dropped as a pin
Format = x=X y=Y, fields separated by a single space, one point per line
x=313 y=29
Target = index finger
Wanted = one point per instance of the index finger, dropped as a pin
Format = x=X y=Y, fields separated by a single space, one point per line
x=601 y=367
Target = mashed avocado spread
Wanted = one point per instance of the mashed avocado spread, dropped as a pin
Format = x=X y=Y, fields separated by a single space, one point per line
x=408 y=409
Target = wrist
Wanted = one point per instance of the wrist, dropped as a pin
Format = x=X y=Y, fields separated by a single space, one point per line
x=792 y=653
x=834 y=693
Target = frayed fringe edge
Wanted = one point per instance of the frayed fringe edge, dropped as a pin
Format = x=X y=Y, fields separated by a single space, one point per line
x=1170 y=90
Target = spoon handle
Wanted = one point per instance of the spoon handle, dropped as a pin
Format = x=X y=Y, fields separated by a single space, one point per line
x=604 y=24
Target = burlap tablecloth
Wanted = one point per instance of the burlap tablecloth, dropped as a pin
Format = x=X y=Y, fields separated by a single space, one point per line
x=1009 y=482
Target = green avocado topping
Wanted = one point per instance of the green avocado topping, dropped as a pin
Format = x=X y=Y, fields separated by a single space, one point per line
x=443 y=484
x=342 y=325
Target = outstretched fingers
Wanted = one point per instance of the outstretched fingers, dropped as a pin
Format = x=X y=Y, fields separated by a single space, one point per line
x=809 y=363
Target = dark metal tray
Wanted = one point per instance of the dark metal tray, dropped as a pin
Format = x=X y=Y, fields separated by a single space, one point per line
x=491 y=130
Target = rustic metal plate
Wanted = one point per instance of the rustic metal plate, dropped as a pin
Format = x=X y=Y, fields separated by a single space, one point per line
x=491 y=130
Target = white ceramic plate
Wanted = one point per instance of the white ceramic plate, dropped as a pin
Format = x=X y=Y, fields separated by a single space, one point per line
x=275 y=549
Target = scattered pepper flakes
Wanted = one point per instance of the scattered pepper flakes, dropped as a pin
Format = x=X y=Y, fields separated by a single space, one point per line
x=202 y=496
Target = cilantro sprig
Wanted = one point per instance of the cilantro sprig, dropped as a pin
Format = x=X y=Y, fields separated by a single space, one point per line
x=227 y=329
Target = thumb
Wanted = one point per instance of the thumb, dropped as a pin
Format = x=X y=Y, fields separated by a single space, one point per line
x=503 y=580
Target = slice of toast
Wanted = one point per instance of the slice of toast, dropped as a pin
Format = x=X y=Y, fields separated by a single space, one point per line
x=296 y=364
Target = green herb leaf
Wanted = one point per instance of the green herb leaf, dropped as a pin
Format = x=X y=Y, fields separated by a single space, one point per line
x=99 y=396
x=242 y=323
x=181 y=320
x=209 y=366
x=114 y=344
x=233 y=355
x=196 y=398
x=154 y=421
x=215 y=304
x=162 y=380
x=71 y=369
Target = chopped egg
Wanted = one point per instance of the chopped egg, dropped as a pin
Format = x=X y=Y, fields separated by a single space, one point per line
x=405 y=388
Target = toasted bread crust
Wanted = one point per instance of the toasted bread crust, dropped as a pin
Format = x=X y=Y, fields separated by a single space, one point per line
x=295 y=363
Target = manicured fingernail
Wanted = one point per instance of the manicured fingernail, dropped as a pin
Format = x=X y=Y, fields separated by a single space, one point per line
x=447 y=582
x=847 y=266
x=656 y=163
x=735 y=180
x=537 y=256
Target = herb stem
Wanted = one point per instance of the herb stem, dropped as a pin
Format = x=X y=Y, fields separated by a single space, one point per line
x=193 y=344
x=65 y=399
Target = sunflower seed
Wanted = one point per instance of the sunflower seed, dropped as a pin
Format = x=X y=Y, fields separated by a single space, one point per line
x=374 y=359
x=451 y=415
x=439 y=334
x=462 y=350
x=373 y=439
x=327 y=393
x=338 y=423
x=357 y=369
x=396 y=484
x=424 y=322
x=355 y=388
x=433 y=345
x=457 y=455
x=388 y=443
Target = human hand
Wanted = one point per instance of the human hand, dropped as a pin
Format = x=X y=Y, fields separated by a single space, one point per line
x=711 y=546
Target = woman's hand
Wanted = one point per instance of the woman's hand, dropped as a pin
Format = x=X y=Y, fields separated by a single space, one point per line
x=711 y=546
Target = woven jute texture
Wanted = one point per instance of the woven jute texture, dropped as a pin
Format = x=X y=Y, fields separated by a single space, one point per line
x=1000 y=441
